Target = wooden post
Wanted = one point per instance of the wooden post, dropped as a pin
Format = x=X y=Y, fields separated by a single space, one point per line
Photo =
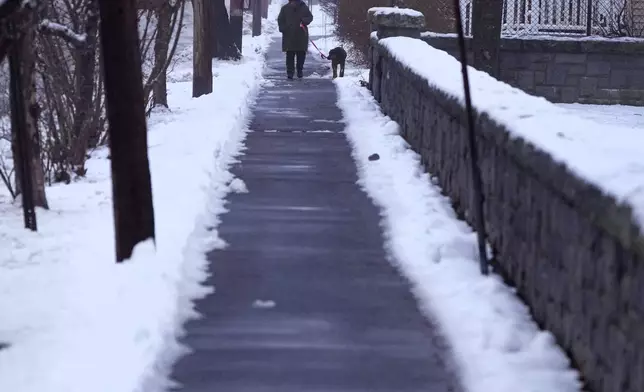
x=257 y=17
x=202 y=47
x=486 y=35
x=19 y=107
x=131 y=185
x=237 y=22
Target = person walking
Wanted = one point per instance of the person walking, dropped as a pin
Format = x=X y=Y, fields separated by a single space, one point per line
x=293 y=21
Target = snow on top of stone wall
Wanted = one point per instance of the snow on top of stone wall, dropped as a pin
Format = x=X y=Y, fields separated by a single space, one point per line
x=606 y=155
x=395 y=10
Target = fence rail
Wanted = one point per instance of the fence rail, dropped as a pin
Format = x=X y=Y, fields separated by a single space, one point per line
x=581 y=17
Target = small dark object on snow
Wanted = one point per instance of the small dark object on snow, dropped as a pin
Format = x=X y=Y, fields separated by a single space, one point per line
x=364 y=83
x=338 y=57
x=374 y=157
x=62 y=176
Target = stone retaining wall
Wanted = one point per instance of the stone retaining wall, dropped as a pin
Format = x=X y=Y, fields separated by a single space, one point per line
x=572 y=252
x=600 y=71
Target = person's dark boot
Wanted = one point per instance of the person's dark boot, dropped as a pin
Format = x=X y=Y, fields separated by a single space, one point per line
x=290 y=77
x=300 y=74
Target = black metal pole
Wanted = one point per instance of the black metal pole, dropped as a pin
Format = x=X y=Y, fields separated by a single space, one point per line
x=19 y=125
x=477 y=186
x=589 y=18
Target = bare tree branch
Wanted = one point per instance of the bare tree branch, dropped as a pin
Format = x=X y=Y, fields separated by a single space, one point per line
x=64 y=32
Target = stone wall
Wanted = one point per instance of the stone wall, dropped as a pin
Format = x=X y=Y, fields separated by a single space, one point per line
x=573 y=253
x=600 y=71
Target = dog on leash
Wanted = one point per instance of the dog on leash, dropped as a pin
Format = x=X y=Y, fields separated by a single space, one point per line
x=338 y=57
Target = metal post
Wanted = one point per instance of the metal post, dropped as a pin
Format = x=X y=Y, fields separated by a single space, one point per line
x=589 y=18
x=19 y=126
x=477 y=186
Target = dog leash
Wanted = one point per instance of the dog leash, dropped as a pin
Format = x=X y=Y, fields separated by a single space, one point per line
x=318 y=49
x=314 y=45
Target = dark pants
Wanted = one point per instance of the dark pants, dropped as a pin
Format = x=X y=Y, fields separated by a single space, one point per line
x=290 y=62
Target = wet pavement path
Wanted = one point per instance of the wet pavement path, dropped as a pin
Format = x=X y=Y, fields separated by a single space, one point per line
x=306 y=300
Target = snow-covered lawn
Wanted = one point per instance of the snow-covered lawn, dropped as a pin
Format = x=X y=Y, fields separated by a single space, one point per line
x=497 y=345
x=610 y=115
x=73 y=320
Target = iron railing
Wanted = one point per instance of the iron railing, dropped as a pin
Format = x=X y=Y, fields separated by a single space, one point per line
x=566 y=17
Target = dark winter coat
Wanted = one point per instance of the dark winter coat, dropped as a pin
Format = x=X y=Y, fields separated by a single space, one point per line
x=290 y=20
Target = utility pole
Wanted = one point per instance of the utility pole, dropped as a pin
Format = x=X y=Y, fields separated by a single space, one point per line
x=486 y=35
x=202 y=48
x=237 y=23
x=131 y=184
x=257 y=17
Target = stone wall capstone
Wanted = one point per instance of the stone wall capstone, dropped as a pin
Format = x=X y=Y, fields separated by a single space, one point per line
x=573 y=253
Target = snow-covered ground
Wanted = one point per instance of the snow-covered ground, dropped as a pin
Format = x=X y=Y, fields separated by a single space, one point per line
x=73 y=320
x=610 y=115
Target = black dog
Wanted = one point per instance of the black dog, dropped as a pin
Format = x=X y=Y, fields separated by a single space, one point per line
x=338 y=57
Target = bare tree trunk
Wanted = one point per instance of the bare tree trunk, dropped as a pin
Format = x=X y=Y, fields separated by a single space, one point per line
x=84 y=75
x=237 y=24
x=486 y=35
x=215 y=30
x=225 y=44
x=257 y=17
x=161 y=46
x=27 y=64
x=131 y=184
x=202 y=58
x=265 y=9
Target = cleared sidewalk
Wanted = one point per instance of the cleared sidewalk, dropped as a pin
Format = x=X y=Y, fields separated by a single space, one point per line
x=305 y=299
